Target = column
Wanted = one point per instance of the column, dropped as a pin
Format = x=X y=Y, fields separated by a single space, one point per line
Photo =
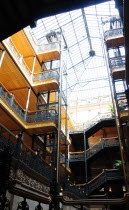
x=27 y=103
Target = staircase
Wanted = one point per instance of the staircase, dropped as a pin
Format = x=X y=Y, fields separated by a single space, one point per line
x=106 y=175
x=80 y=156
x=81 y=190
x=98 y=181
x=92 y=126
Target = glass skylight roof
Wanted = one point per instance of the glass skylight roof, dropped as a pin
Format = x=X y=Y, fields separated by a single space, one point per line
x=87 y=75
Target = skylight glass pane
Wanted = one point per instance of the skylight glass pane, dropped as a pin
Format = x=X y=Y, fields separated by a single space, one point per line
x=87 y=75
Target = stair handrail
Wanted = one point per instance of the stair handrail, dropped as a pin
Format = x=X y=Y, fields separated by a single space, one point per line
x=99 y=142
x=86 y=150
x=103 y=171
x=88 y=124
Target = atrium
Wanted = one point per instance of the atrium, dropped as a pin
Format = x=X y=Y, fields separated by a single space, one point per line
x=64 y=112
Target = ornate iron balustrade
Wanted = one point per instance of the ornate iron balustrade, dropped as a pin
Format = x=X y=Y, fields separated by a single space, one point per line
x=12 y=102
x=25 y=154
x=19 y=58
x=69 y=188
x=50 y=106
x=50 y=74
x=117 y=62
x=118 y=31
x=80 y=156
x=91 y=123
x=103 y=177
x=34 y=162
x=122 y=101
x=107 y=174
x=49 y=46
x=7 y=139
x=37 y=116
x=97 y=182
x=42 y=115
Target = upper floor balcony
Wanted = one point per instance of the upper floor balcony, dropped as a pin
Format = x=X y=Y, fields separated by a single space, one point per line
x=114 y=37
x=113 y=31
x=46 y=80
x=46 y=51
x=46 y=118
x=122 y=106
x=117 y=65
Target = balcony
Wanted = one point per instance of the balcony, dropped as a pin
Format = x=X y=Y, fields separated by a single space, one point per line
x=117 y=66
x=45 y=52
x=29 y=173
x=114 y=37
x=46 y=118
x=48 y=51
x=47 y=80
x=122 y=106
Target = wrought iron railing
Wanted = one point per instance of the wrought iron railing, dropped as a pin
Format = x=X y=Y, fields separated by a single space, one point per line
x=36 y=116
x=69 y=188
x=23 y=153
x=17 y=56
x=49 y=74
x=105 y=142
x=122 y=101
x=9 y=98
x=49 y=46
x=104 y=176
x=112 y=32
x=117 y=62
x=86 y=126
x=25 y=69
x=43 y=47
x=42 y=115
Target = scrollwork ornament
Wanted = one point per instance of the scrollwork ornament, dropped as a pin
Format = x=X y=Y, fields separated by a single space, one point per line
x=38 y=207
x=23 y=205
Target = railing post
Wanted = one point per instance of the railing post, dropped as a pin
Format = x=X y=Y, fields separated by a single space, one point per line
x=102 y=140
x=2 y=57
x=85 y=153
x=59 y=122
x=12 y=99
x=19 y=145
x=21 y=58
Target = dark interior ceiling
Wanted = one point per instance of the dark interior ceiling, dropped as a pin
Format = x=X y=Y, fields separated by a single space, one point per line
x=17 y=14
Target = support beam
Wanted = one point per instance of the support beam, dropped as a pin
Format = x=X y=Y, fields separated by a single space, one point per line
x=85 y=159
x=87 y=29
x=59 y=122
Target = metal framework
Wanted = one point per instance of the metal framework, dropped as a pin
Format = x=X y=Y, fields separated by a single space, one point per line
x=82 y=30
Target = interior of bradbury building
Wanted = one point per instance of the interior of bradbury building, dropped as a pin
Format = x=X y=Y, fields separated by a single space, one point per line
x=64 y=113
